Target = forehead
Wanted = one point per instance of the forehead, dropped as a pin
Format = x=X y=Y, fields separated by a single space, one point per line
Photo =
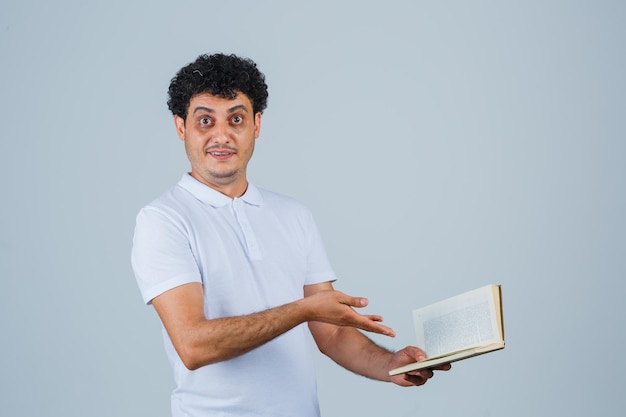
x=219 y=104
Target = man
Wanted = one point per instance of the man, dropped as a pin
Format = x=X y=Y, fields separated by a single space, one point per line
x=238 y=275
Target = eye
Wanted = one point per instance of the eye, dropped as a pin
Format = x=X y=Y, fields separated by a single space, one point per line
x=236 y=120
x=205 y=121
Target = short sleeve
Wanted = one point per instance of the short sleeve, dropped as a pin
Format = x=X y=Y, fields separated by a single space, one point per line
x=319 y=268
x=161 y=255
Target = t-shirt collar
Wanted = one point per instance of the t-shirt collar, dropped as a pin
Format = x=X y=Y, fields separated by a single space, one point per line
x=213 y=197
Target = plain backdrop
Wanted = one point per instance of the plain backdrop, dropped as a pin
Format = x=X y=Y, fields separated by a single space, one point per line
x=442 y=146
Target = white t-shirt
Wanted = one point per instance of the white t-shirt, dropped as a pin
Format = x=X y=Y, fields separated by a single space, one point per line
x=250 y=254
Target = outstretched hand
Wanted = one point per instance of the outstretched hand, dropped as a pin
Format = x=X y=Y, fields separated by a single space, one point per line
x=411 y=354
x=337 y=308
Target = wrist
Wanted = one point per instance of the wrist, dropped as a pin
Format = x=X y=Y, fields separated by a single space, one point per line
x=303 y=310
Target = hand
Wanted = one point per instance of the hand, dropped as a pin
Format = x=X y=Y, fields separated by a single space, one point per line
x=335 y=307
x=411 y=354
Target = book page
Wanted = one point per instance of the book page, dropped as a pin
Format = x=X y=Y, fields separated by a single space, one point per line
x=459 y=323
x=458 y=328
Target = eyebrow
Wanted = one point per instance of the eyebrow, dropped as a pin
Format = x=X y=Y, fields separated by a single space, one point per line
x=230 y=110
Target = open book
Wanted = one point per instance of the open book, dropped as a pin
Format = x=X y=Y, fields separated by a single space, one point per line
x=459 y=327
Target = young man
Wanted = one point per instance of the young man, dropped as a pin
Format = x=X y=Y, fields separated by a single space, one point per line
x=238 y=275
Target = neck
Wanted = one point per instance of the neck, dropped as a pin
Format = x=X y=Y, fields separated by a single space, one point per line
x=232 y=189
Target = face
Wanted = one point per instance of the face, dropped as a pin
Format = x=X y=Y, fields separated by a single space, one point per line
x=219 y=136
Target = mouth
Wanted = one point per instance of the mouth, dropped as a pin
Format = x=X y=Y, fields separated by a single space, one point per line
x=220 y=154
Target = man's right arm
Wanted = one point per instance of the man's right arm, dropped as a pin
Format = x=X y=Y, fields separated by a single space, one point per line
x=200 y=342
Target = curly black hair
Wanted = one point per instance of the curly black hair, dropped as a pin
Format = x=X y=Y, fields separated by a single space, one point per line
x=220 y=75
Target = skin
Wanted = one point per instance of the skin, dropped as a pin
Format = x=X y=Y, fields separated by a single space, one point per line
x=219 y=136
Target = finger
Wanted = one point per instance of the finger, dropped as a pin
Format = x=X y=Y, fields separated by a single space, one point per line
x=427 y=373
x=377 y=328
x=373 y=317
x=424 y=374
x=444 y=367
x=415 y=379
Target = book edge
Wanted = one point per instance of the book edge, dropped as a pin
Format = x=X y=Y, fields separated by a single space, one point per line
x=440 y=360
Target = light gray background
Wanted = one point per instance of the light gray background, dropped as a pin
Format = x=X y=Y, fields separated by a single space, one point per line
x=441 y=145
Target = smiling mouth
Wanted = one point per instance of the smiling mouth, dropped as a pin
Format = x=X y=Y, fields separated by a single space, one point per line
x=221 y=154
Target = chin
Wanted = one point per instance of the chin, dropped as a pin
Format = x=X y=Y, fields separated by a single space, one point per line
x=224 y=178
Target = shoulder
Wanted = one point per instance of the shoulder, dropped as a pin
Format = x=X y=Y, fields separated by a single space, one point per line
x=286 y=211
x=173 y=206
x=281 y=201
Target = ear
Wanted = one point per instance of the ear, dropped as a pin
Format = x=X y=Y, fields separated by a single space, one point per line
x=179 y=122
x=257 y=124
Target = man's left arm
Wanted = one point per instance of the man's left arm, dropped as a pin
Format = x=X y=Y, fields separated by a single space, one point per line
x=356 y=352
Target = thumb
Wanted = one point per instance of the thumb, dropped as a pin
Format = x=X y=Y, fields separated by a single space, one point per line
x=357 y=302
x=415 y=353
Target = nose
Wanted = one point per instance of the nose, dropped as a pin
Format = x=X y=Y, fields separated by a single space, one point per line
x=219 y=133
